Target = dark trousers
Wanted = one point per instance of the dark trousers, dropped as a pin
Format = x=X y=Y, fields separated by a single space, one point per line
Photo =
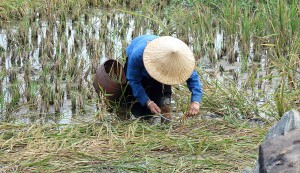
x=156 y=91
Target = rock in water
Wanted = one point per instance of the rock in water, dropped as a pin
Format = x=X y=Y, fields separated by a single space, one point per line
x=280 y=154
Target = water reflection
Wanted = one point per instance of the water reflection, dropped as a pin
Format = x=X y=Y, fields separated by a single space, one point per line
x=82 y=46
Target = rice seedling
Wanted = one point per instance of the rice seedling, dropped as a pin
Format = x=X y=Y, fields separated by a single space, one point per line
x=245 y=31
x=231 y=17
x=31 y=93
x=73 y=101
x=2 y=102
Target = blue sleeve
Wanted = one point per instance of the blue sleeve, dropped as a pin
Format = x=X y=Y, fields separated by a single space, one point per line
x=195 y=87
x=135 y=66
x=134 y=75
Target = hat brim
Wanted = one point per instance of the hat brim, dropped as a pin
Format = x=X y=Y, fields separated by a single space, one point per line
x=168 y=60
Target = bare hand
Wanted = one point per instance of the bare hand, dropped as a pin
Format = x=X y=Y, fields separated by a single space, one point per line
x=194 y=109
x=153 y=107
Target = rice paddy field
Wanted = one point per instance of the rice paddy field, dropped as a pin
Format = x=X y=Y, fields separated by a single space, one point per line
x=52 y=120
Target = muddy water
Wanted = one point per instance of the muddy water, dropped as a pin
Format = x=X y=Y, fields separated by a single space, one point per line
x=82 y=45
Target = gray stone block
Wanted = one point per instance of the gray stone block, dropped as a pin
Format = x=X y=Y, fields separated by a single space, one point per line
x=281 y=154
x=288 y=122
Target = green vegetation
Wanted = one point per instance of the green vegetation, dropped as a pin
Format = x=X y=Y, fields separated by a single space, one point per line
x=202 y=145
x=43 y=70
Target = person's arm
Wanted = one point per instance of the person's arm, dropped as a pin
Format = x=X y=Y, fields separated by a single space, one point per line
x=134 y=77
x=195 y=87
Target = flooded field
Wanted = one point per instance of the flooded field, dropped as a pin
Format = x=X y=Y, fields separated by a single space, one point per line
x=48 y=66
x=249 y=68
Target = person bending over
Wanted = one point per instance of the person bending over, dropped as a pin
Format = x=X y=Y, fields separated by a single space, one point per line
x=152 y=65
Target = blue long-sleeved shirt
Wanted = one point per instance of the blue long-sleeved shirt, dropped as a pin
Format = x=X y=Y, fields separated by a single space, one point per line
x=136 y=71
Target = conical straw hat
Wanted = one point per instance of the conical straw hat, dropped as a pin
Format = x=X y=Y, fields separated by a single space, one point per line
x=168 y=60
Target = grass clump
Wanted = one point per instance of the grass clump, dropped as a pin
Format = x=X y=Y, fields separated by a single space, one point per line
x=202 y=145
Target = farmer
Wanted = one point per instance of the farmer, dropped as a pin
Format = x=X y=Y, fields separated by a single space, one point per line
x=153 y=64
